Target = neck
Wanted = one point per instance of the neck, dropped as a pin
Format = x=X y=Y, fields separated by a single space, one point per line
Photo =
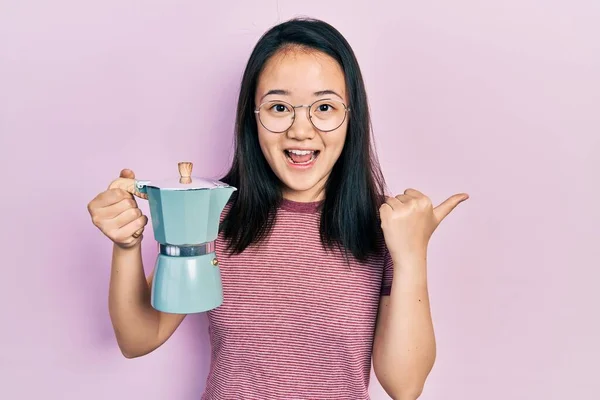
x=300 y=197
x=304 y=196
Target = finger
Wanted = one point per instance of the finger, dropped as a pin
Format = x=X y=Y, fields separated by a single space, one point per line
x=448 y=205
x=413 y=193
x=113 y=196
x=127 y=173
x=138 y=233
x=125 y=218
x=127 y=232
x=126 y=184
x=393 y=202
x=107 y=199
x=404 y=198
x=114 y=210
x=136 y=227
x=386 y=213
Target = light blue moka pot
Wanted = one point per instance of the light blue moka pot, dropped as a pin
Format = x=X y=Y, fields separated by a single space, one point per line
x=185 y=214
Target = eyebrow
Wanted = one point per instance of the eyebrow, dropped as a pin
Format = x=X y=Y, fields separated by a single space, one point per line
x=282 y=92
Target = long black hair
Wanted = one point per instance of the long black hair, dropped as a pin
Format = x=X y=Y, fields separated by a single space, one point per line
x=355 y=188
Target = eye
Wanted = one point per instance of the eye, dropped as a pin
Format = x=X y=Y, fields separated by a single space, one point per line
x=278 y=108
x=324 y=108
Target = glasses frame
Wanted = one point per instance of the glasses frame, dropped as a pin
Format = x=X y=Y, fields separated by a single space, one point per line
x=308 y=106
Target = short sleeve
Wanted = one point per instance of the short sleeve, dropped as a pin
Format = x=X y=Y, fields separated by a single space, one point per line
x=388 y=274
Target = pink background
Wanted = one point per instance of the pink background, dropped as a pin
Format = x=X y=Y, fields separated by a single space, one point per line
x=496 y=98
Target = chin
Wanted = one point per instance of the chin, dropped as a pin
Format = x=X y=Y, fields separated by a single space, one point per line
x=308 y=186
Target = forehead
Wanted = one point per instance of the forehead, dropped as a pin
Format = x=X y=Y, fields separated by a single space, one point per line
x=302 y=72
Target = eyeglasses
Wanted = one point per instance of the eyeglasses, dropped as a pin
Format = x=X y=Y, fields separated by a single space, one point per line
x=326 y=115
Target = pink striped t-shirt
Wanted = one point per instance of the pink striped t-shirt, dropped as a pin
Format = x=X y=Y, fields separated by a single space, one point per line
x=297 y=321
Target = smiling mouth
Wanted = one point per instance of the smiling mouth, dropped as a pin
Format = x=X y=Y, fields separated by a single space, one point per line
x=301 y=157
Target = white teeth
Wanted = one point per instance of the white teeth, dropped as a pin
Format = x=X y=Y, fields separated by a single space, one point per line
x=301 y=152
x=313 y=154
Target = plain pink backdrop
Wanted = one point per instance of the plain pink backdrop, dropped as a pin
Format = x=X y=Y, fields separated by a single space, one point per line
x=500 y=99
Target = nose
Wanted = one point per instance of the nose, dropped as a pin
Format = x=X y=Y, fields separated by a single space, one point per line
x=301 y=128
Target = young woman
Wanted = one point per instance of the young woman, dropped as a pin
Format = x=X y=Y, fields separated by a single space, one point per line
x=308 y=244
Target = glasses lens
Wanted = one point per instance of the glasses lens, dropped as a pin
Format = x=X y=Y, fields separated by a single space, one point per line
x=276 y=116
x=327 y=115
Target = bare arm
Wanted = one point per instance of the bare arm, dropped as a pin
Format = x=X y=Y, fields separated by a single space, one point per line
x=139 y=328
x=404 y=349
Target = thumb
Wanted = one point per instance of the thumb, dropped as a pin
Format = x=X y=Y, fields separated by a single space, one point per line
x=447 y=206
x=127 y=173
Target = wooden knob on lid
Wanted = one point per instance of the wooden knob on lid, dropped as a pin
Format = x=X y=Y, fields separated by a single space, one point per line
x=185 y=172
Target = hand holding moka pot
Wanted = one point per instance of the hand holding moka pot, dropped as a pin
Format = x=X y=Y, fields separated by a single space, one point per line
x=185 y=214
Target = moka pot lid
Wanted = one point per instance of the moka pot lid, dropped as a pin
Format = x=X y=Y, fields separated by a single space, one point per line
x=185 y=181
